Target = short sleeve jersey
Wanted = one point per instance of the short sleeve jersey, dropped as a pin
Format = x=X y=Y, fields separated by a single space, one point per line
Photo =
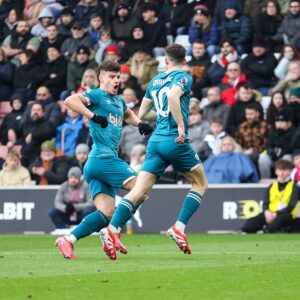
x=157 y=91
x=106 y=140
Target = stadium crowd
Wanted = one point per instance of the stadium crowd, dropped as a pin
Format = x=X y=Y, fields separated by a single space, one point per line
x=242 y=54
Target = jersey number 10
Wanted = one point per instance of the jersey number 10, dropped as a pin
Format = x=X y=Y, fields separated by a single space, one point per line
x=159 y=97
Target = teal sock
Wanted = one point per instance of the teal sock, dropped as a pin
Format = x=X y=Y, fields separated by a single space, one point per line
x=122 y=213
x=190 y=205
x=91 y=223
x=136 y=207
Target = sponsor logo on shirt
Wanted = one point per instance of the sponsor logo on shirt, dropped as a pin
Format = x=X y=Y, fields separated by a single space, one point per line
x=115 y=120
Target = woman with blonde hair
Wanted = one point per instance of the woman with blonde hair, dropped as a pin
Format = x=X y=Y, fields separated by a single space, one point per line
x=89 y=81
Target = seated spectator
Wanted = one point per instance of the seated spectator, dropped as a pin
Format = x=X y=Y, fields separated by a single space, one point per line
x=89 y=81
x=143 y=67
x=67 y=132
x=34 y=132
x=102 y=44
x=259 y=67
x=295 y=175
x=13 y=173
x=215 y=108
x=112 y=53
x=66 y=21
x=19 y=41
x=280 y=203
x=45 y=18
x=81 y=155
x=205 y=28
x=230 y=83
x=72 y=201
x=230 y=166
x=50 y=167
x=291 y=80
x=131 y=100
x=237 y=27
x=237 y=114
x=85 y=8
x=277 y=105
x=220 y=8
x=95 y=28
x=267 y=22
x=10 y=127
x=84 y=134
x=79 y=38
x=137 y=156
x=8 y=26
x=288 y=53
x=214 y=138
x=294 y=102
x=7 y=70
x=280 y=144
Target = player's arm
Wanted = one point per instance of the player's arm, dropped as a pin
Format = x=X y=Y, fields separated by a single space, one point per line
x=78 y=103
x=146 y=112
x=132 y=119
x=174 y=105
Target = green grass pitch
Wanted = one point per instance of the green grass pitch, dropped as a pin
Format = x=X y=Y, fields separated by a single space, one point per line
x=220 y=267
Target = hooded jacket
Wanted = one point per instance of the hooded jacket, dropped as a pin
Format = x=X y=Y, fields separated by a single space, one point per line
x=38 y=29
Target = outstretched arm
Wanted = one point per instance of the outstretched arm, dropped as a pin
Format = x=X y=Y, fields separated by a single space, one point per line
x=175 y=109
x=145 y=112
x=132 y=119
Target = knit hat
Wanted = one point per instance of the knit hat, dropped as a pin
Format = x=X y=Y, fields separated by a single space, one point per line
x=77 y=25
x=112 y=48
x=82 y=148
x=125 y=69
x=295 y=92
x=232 y=4
x=283 y=116
x=83 y=50
x=123 y=5
x=75 y=171
x=49 y=145
x=259 y=42
x=201 y=9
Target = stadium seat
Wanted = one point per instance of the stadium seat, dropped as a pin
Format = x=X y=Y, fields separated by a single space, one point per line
x=183 y=40
x=170 y=40
x=277 y=55
x=188 y=58
x=161 y=64
x=265 y=102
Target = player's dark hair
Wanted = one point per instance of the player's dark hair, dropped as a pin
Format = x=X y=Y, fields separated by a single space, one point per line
x=176 y=53
x=109 y=66
x=283 y=164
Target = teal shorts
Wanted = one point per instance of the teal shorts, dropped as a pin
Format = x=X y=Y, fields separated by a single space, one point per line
x=106 y=175
x=160 y=155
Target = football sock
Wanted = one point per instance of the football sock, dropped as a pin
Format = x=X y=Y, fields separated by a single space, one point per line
x=136 y=207
x=91 y=223
x=190 y=205
x=180 y=226
x=122 y=214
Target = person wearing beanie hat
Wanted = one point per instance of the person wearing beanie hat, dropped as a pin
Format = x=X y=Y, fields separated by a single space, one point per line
x=112 y=53
x=104 y=170
x=72 y=202
x=204 y=28
x=125 y=69
x=81 y=156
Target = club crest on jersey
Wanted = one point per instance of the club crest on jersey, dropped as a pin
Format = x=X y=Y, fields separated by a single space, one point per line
x=115 y=120
x=184 y=80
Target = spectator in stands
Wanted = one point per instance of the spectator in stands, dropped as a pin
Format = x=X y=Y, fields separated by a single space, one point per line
x=85 y=8
x=72 y=201
x=259 y=66
x=45 y=19
x=7 y=5
x=10 y=127
x=291 y=79
x=214 y=74
x=84 y=134
x=67 y=132
x=32 y=9
x=215 y=108
x=277 y=105
x=112 y=53
x=13 y=173
x=294 y=102
x=34 y=132
x=79 y=38
x=52 y=111
x=66 y=22
x=53 y=39
x=280 y=203
x=20 y=40
x=89 y=81
x=288 y=54
x=237 y=113
x=281 y=143
x=237 y=27
x=81 y=155
x=131 y=100
x=143 y=67
x=123 y=23
x=253 y=8
x=252 y=135
x=231 y=82
x=50 y=167
x=220 y=9
x=7 y=70
x=289 y=30
x=154 y=29
x=96 y=27
x=230 y=166
x=104 y=41
x=81 y=61
x=295 y=176
x=267 y=22
x=205 y=28
x=129 y=81
x=8 y=26
x=54 y=72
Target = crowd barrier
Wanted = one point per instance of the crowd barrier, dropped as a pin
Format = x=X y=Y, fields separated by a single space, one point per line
x=224 y=209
